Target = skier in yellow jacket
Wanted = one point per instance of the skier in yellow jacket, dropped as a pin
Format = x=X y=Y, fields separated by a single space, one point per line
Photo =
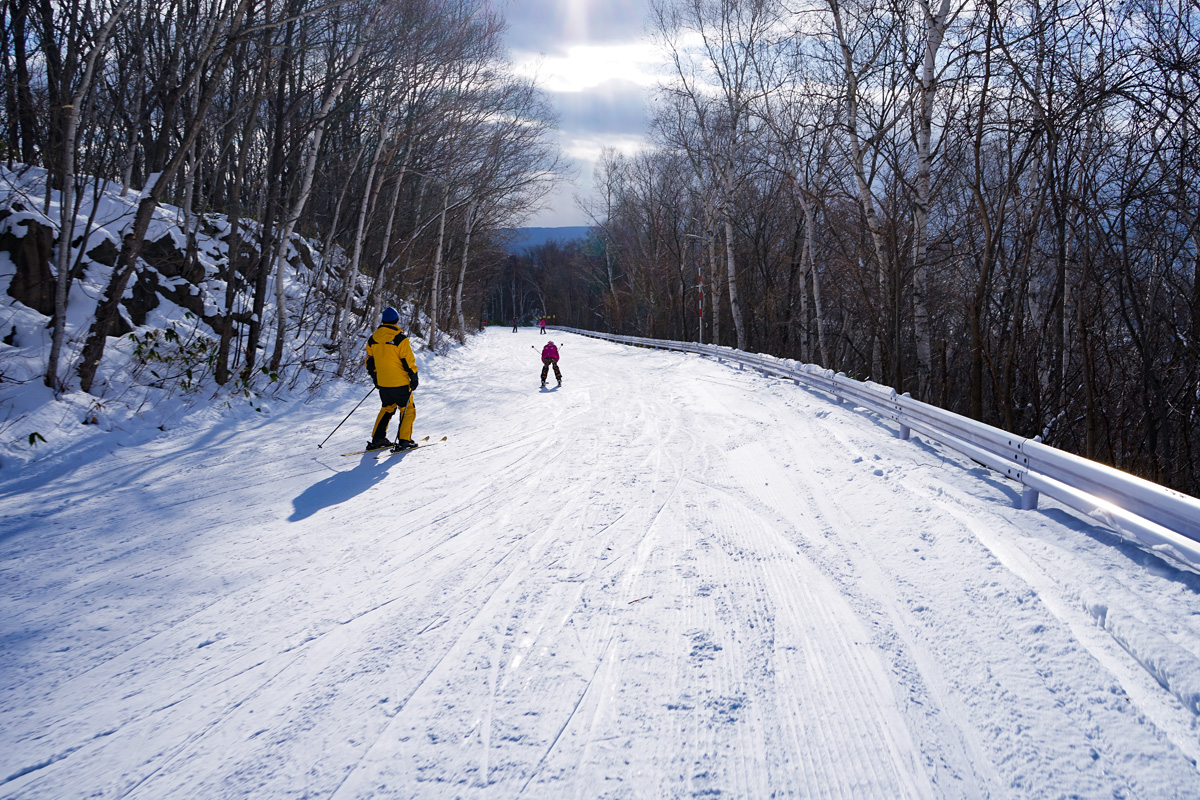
x=394 y=370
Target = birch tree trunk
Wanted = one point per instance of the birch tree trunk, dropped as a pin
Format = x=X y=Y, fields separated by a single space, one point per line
x=462 y=272
x=611 y=164
x=935 y=31
x=735 y=306
x=811 y=269
x=436 y=291
x=385 y=267
x=805 y=337
x=714 y=284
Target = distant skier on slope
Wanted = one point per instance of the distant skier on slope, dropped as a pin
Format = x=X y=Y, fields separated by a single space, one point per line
x=393 y=368
x=542 y=324
x=514 y=324
x=550 y=359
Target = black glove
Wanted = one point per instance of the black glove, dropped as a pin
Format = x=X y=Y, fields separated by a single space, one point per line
x=412 y=381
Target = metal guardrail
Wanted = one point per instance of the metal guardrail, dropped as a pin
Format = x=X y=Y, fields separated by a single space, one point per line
x=1166 y=521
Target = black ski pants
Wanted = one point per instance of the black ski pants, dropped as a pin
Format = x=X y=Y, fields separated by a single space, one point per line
x=392 y=398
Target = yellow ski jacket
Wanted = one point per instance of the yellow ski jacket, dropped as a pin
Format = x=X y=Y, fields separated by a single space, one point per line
x=390 y=358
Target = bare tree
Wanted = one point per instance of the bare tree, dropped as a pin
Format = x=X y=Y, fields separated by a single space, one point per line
x=213 y=58
x=67 y=198
x=718 y=84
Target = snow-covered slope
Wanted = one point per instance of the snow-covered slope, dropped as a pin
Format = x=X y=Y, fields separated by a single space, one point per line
x=172 y=309
x=667 y=578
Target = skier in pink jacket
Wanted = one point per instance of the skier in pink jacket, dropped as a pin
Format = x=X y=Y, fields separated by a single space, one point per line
x=550 y=359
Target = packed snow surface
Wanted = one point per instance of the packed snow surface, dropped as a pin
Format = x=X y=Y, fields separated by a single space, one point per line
x=669 y=578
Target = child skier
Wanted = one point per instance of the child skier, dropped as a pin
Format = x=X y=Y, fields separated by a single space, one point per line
x=550 y=359
x=394 y=370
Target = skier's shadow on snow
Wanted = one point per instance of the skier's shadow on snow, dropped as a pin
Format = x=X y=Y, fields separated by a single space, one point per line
x=340 y=487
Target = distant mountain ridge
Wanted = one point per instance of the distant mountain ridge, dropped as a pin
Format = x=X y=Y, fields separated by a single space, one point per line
x=524 y=238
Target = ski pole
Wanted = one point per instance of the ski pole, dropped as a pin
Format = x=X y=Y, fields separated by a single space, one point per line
x=332 y=432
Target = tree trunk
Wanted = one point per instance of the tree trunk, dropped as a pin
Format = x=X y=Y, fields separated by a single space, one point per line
x=436 y=290
x=234 y=239
x=714 y=285
x=462 y=272
x=385 y=249
x=270 y=218
x=811 y=269
x=860 y=175
x=735 y=306
x=66 y=228
x=935 y=30
x=25 y=121
x=369 y=191
x=55 y=83
x=306 y=182
x=327 y=244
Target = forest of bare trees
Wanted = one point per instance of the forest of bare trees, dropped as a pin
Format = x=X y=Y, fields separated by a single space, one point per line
x=994 y=205
x=990 y=205
x=393 y=132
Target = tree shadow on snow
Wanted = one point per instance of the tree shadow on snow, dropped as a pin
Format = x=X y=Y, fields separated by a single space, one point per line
x=1159 y=565
x=341 y=486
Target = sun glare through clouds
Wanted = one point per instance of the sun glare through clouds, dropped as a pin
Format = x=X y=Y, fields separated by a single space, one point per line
x=598 y=67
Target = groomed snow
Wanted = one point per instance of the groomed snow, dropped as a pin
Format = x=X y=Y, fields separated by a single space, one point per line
x=669 y=578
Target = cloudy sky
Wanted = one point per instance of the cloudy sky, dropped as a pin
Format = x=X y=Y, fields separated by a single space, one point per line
x=595 y=60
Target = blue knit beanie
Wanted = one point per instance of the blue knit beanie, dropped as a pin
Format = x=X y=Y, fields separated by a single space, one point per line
x=390 y=315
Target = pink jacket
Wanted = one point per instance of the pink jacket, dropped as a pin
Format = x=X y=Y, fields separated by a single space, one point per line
x=550 y=351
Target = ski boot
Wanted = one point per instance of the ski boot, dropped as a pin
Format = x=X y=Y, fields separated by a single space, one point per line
x=404 y=444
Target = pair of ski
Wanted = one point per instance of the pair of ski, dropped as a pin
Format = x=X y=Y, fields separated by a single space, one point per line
x=388 y=451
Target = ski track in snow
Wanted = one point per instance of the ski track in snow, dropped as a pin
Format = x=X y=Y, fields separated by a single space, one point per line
x=668 y=578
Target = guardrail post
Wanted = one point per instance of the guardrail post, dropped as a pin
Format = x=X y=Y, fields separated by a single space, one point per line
x=904 y=432
x=1029 y=499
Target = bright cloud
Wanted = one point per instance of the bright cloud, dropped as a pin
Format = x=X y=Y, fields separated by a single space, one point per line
x=588 y=149
x=585 y=66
